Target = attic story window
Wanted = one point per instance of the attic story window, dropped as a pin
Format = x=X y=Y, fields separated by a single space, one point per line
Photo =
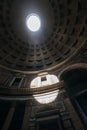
x=16 y=82
x=45 y=79
x=33 y=22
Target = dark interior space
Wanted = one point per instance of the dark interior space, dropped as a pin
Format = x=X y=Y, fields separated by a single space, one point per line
x=43 y=64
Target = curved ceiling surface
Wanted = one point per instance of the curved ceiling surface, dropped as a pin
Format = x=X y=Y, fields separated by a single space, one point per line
x=63 y=31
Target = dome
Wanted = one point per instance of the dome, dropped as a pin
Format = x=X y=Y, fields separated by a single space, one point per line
x=61 y=35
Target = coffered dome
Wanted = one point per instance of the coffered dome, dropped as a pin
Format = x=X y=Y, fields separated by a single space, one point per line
x=62 y=33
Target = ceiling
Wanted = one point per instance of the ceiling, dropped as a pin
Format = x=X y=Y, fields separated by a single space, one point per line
x=62 y=34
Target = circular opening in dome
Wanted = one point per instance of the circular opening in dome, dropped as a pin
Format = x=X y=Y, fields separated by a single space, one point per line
x=33 y=22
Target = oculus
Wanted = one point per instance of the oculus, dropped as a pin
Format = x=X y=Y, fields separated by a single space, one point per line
x=33 y=22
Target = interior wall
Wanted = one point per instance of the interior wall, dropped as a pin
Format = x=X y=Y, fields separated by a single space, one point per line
x=25 y=115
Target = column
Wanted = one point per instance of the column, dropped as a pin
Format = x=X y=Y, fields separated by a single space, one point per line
x=27 y=114
x=9 y=118
x=76 y=120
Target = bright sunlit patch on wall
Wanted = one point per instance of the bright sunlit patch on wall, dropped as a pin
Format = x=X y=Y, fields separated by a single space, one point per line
x=42 y=80
x=46 y=97
x=33 y=22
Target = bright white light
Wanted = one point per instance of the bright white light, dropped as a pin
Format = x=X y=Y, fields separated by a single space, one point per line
x=50 y=79
x=33 y=22
x=49 y=96
x=46 y=97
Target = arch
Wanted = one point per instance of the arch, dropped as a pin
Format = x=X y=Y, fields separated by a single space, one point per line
x=72 y=67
